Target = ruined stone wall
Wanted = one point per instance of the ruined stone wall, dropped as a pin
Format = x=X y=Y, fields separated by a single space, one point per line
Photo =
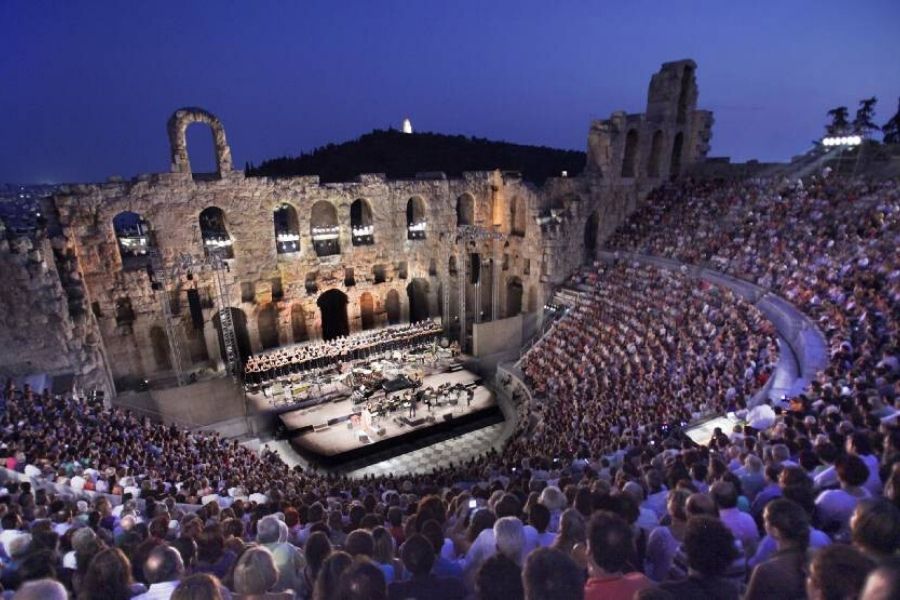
x=44 y=326
x=548 y=232
x=171 y=205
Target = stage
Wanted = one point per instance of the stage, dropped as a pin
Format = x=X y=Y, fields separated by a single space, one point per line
x=338 y=431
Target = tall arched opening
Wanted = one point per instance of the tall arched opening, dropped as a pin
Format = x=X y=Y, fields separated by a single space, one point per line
x=333 y=306
x=239 y=319
x=514 y=292
x=417 y=292
x=416 y=221
x=324 y=229
x=518 y=218
x=367 y=311
x=267 y=323
x=675 y=163
x=392 y=307
x=160 y=343
x=362 y=226
x=591 y=227
x=465 y=209
x=134 y=239
x=214 y=232
x=287 y=229
x=298 y=323
x=629 y=158
x=656 y=150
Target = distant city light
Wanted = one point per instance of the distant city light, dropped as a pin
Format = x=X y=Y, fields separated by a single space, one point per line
x=847 y=140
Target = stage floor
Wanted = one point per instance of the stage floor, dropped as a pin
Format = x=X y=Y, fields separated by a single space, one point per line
x=332 y=435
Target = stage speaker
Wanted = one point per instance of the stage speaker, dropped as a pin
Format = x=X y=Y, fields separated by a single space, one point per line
x=196 y=309
x=448 y=416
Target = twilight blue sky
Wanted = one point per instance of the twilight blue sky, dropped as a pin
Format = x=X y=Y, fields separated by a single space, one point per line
x=86 y=86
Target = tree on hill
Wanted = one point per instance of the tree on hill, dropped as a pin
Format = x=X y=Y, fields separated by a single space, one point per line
x=863 y=123
x=839 y=123
x=891 y=129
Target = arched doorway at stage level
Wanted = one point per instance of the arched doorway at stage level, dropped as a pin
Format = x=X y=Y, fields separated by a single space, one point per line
x=240 y=331
x=367 y=311
x=591 y=226
x=392 y=307
x=267 y=322
x=417 y=292
x=298 y=323
x=160 y=343
x=514 y=291
x=333 y=306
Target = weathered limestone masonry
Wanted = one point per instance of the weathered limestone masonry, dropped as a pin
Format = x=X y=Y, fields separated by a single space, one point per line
x=279 y=297
x=45 y=325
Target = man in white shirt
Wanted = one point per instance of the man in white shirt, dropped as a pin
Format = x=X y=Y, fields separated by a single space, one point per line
x=163 y=569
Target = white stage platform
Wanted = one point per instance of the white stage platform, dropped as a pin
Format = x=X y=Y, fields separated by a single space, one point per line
x=333 y=434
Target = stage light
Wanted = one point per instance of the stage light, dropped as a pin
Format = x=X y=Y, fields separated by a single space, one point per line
x=845 y=140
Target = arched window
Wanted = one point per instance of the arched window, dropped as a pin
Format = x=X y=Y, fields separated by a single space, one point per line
x=366 y=311
x=415 y=218
x=514 y=292
x=324 y=229
x=134 y=240
x=465 y=210
x=675 y=163
x=287 y=229
x=267 y=324
x=631 y=148
x=362 y=226
x=214 y=233
x=518 y=217
x=656 y=150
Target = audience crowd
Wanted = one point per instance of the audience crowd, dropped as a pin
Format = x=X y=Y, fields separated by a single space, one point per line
x=601 y=497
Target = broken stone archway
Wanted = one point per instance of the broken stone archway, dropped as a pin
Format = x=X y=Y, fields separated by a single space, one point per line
x=177 y=128
x=333 y=307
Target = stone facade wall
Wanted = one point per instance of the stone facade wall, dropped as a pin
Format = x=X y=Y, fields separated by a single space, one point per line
x=548 y=232
x=44 y=324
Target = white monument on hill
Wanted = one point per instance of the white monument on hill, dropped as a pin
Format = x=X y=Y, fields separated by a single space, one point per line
x=407 y=125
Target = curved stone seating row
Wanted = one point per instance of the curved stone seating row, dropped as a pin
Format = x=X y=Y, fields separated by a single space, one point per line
x=808 y=349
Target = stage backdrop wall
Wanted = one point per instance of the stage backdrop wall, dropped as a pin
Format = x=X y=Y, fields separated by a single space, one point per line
x=496 y=336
